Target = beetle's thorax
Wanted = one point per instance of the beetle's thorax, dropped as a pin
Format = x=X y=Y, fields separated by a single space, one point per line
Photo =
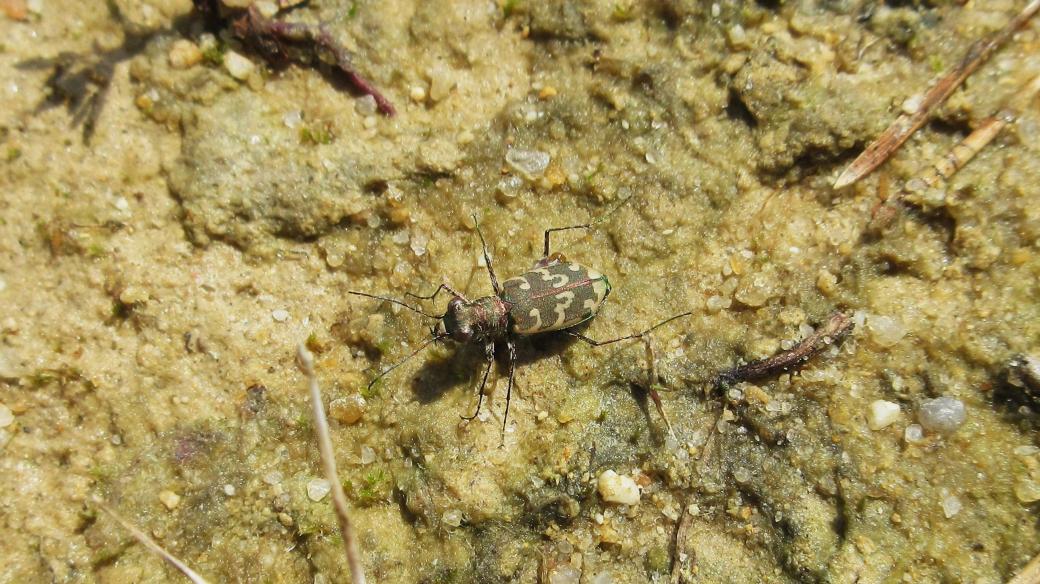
x=484 y=319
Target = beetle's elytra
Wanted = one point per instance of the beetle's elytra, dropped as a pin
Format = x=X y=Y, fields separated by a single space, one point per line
x=554 y=296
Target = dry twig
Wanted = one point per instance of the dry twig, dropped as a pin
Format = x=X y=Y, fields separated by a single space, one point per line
x=905 y=125
x=151 y=544
x=962 y=153
x=305 y=361
x=679 y=563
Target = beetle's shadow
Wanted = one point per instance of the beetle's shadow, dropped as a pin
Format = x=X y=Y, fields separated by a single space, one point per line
x=465 y=366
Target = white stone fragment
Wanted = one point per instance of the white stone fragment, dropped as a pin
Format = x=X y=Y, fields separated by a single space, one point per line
x=170 y=499
x=368 y=455
x=442 y=81
x=452 y=517
x=366 y=106
x=266 y=8
x=6 y=416
x=615 y=488
x=280 y=315
x=229 y=490
x=912 y=104
x=882 y=414
x=885 y=330
x=942 y=415
x=293 y=119
x=565 y=574
x=318 y=489
x=951 y=506
x=530 y=163
x=913 y=434
x=238 y=66
x=1027 y=490
x=418 y=243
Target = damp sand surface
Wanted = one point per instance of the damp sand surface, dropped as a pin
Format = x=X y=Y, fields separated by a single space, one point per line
x=156 y=279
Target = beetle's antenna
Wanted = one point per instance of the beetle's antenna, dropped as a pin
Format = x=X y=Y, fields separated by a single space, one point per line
x=590 y=224
x=397 y=302
x=383 y=373
x=487 y=257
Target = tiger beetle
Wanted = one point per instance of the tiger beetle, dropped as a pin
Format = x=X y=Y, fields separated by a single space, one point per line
x=554 y=295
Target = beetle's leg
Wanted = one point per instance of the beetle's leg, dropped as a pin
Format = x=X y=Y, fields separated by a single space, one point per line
x=651 y=386
x=489 y=353
x=593 y=223
x=487 y=258
x=509 y=387
x=450 y=290
x=640 y=335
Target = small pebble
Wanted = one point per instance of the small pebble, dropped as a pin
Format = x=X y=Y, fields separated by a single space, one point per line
x=885 y=330
x=942 y=415
x=266 y=8
x=530 y=163
x=882 y=414
x=229 y=490
x=170 y=499
x=951 y=506
x=273 y=478
x=452 y=517
x=133 y=295
x=184 y=54
x=348 y=410
x=293 y=119
x=238 y=66
x=442 y=81
x=366 y=106
x=6 y=416
x=368 y=455
x=418 y=243
x=913 y=434
x=417 y=93
x=280 y=315
x=912 y=104
x=317 y=489
x=14 y=9
x=737 y=37
x=615 y=488
x=1027 y=490
x=547 y=92
x=565 y=574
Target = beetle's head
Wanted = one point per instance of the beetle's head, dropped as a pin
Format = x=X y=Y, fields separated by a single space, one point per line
x=459 y=321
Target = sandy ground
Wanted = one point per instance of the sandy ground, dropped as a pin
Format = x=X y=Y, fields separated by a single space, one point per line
x=156 y=279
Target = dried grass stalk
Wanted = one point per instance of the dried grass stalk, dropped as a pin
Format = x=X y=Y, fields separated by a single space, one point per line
x=305 y=361
x=151 y=545
x=905 y=125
